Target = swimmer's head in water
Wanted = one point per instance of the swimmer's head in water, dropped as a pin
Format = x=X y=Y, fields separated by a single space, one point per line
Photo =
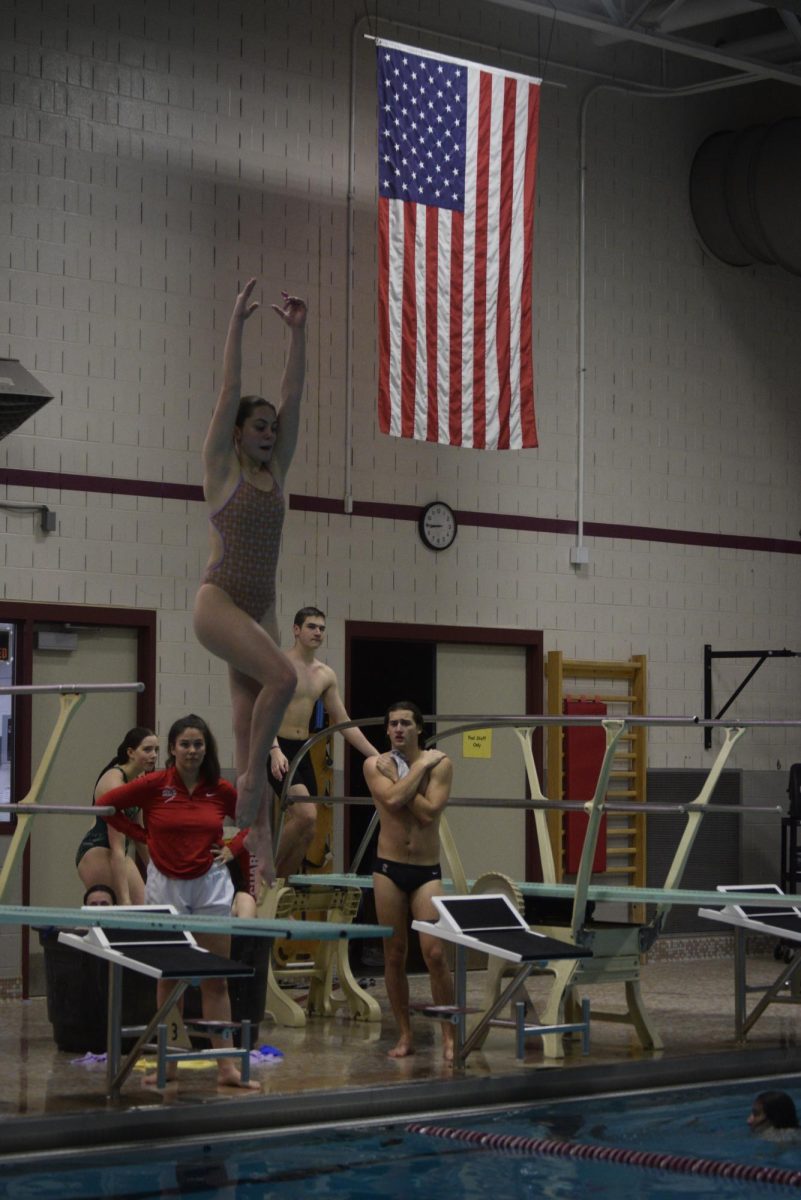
x=773 y=1109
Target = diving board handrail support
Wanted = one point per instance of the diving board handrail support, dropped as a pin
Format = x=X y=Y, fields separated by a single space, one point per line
x=547 y=863
x=70 y=698
x=453 y=860
x=612 y=730
x=68 y=704
x=691 y=829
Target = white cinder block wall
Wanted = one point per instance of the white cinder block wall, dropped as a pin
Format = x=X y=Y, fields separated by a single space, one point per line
x=154 y=155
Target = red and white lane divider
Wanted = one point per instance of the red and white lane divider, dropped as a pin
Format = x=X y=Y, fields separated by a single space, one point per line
x=686 y=1164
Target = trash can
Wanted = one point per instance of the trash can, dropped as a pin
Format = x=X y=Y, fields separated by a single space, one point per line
x=249 y=996
x=76 y=986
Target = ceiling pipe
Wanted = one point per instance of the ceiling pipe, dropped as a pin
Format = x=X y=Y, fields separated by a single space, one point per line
x=579 y=554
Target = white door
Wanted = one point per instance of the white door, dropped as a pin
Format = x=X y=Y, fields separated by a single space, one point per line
x=491 y=681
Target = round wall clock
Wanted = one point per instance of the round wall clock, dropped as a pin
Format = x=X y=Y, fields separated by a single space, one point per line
x=437 y=525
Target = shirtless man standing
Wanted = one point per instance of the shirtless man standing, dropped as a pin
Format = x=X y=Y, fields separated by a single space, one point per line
x=410 y=787
x=316 y=681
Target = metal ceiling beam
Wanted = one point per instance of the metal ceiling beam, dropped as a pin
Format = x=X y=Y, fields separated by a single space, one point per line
x=703 y=12
x=655 y=41
x=614 y=12
x=789 y=6
x=639 y=13
x=672 y=6
x=767 y=43
x=793 y=25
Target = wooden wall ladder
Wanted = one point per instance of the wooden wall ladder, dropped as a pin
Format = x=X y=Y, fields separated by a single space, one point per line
x=622 y=687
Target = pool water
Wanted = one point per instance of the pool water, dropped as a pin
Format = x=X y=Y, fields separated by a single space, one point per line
x=377 y=1161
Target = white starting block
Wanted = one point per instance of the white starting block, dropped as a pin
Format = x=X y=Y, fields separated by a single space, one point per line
x=780 y=922
x=491 y=924
x=161 y=954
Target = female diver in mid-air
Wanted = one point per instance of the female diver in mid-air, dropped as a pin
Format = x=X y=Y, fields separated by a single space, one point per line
x=246 y=456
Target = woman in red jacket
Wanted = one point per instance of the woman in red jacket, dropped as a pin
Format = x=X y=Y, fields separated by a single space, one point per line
x=183 y=809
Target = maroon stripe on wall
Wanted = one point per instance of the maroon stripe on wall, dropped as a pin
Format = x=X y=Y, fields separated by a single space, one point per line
x=100 y=483
x=602 y=529
x=407 y=512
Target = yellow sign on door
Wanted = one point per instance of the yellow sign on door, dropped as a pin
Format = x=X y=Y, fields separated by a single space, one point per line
x=477 y=744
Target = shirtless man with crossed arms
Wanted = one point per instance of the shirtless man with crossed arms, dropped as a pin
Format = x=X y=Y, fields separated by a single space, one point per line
x=316 y=681
x=410 y=787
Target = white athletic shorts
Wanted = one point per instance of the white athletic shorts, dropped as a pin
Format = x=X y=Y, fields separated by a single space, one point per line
x=210 y=895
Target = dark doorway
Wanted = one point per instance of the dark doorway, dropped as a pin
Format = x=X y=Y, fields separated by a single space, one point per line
x=390 y=661
x=379 y=673
x=384 y=659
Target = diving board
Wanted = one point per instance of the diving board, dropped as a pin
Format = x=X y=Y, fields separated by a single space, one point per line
x=167 y=954
x=157 y=941
x=777 y=915
x=566 y=891
x=131 y=918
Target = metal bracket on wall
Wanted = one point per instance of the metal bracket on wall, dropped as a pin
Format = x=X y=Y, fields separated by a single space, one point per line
x=709 y=655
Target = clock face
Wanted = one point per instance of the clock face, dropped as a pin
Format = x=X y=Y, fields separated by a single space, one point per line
x=438 y=526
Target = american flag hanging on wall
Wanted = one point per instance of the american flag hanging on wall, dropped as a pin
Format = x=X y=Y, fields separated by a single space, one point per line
x=457 y=157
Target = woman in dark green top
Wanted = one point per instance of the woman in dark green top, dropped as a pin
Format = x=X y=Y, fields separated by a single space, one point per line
x=102 y=855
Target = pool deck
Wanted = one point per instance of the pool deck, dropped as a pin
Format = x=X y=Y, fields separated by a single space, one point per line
x=336 y=1069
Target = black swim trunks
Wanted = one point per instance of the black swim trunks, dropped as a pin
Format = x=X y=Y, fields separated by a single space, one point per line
x=406 y=876
x=304 y=773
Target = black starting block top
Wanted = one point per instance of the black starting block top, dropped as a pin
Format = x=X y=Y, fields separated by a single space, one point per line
x=781 y=922
x=492 y=924
x=160 y=953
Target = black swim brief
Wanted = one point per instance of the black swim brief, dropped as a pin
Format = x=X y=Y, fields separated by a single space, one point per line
x=305 y=772
x=407 y=876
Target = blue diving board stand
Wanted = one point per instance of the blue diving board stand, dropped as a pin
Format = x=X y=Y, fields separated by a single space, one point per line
x=491 y=924
x=162 y=954
x=776 y=920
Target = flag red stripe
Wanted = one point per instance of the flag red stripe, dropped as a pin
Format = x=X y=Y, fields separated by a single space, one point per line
x=432 y=290
x=384 y=403
x=408 y=323
x=503 y=350
x=480 y=264
x=455 y=348
x=455 y=341
x=527 y=416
